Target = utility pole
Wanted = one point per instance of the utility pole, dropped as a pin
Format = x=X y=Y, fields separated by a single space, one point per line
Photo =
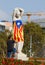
x=31 y=46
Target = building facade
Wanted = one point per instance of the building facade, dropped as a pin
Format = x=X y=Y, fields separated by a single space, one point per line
x=5 y=25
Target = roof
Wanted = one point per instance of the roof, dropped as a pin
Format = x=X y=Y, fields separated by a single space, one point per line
x=8 y=24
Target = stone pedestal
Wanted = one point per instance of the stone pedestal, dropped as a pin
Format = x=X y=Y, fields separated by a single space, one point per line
x=20 y=55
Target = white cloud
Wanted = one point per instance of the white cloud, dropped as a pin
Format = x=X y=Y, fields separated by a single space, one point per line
x=3 y=15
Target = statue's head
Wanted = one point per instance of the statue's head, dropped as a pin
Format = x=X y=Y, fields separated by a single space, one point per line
x=17 y=13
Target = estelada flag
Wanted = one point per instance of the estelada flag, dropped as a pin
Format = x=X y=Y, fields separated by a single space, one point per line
x=18 y=31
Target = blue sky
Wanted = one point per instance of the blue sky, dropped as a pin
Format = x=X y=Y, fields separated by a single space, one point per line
x=7 y=6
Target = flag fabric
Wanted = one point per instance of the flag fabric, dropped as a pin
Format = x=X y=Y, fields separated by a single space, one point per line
x=18 y=31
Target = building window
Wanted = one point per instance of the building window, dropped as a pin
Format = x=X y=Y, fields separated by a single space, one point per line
x=2 y=28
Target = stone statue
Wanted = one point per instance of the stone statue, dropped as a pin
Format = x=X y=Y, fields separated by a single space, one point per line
x=18 y=35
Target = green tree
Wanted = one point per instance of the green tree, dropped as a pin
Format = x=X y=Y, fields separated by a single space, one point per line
x=3 y=41
x=37 y=37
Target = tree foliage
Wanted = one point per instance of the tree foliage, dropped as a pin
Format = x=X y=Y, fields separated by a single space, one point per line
x=3 y=41
x=34 y=30
x=30 y=29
